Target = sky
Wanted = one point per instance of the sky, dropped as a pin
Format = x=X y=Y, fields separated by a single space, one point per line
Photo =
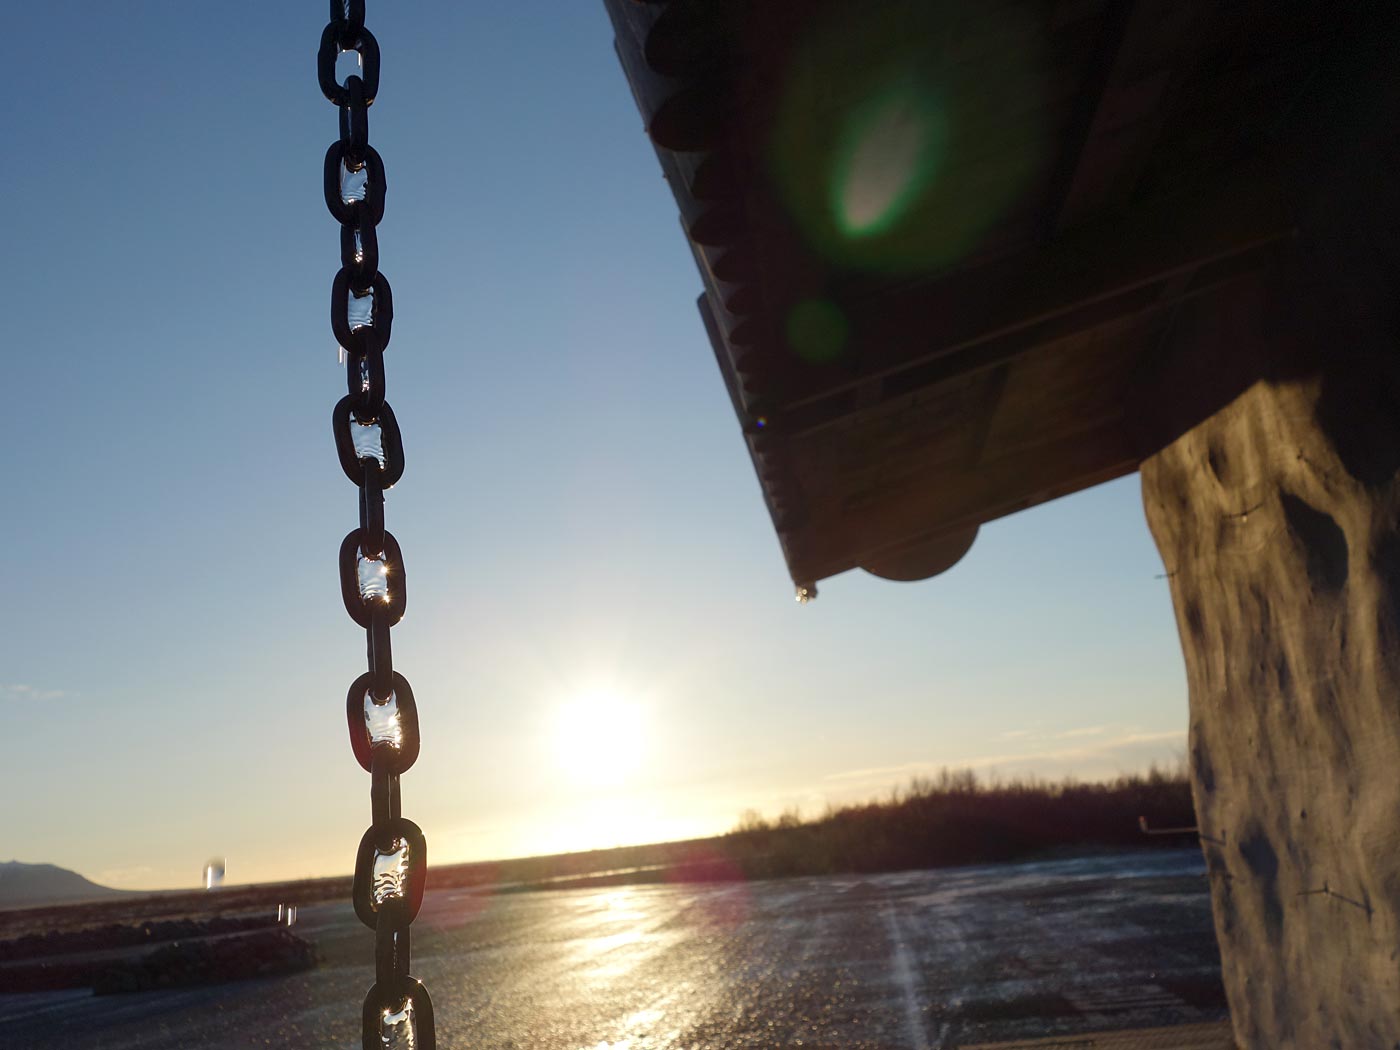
x=584 y=538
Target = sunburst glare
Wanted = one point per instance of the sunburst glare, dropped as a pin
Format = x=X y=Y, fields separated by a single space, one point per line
x=599 y=737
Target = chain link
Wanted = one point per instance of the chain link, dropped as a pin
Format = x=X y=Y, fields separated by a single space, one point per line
x=391 y=864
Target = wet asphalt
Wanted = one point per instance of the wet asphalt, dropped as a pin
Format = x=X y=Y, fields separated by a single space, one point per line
x=909 y=961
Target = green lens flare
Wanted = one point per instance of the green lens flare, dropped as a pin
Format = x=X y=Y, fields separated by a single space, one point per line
x=904 y=134
x=817 y=331
x=887 y=157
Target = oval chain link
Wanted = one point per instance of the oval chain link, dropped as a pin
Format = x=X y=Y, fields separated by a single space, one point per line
x=391 y=863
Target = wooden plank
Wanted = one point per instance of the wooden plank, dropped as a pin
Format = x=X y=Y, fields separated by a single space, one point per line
x=1216 y=1036
x=834 y=540
x=1155 y=44
x=1157 y=242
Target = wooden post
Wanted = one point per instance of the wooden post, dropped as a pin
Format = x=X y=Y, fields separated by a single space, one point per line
x=1277 y=515
x=1272 y=487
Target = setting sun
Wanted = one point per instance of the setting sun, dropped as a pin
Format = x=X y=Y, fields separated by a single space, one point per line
x=599 y=737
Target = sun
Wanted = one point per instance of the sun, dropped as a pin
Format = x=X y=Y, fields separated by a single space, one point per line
x=600 y=737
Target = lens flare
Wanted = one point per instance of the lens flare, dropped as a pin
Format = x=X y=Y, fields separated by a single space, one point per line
x=817 y=331
x=888 y=156
x=904 y=133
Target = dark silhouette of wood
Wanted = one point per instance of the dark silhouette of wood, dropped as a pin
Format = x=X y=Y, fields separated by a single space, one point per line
x=982 y=384
x=1200 y=281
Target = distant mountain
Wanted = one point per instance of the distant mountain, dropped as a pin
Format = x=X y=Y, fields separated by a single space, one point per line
x=33 y=885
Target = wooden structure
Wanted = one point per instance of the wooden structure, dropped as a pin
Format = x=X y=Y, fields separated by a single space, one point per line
x=962 y=257
x=962 y=366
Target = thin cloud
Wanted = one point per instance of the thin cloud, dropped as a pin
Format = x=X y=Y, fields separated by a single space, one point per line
x=1086 y=731
x=23 y=691
x=125 y=877
x=1094 y=756
x=886 y=772
x=1128 y=751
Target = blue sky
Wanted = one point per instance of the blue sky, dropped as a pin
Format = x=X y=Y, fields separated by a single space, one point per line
x=578 y=516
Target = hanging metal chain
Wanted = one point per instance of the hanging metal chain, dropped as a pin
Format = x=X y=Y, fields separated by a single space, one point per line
x=392 y=863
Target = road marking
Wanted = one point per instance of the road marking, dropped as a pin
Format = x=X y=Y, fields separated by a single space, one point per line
x=905 y=977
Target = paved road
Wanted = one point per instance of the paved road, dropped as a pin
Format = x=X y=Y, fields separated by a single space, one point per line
x=911 y=961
